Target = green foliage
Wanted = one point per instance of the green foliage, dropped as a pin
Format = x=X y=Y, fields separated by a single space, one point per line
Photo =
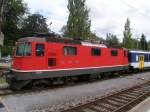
x=12 y=15
x=16 y=26
x=148 y=45
x=132 y=43
x=2 y=80
x=34 y=23
x=143 y=42
x=64 y=30
x=127 y=40
x=79 y=24
x=15 y=10
x=135 y=44
x=7 y=50
x=112 y=40
x=3 y=10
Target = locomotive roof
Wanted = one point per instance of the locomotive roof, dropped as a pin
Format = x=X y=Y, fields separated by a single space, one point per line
x=60 y=40
x=32 y=39
x=49 y=39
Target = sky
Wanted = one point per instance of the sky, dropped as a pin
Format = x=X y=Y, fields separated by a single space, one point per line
x=107 y=16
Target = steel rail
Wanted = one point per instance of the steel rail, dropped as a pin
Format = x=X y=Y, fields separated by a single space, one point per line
x=120 y=101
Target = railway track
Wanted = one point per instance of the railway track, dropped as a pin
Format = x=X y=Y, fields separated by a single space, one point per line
x=121 y=101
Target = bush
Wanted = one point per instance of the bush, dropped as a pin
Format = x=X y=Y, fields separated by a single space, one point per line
x=7 y=50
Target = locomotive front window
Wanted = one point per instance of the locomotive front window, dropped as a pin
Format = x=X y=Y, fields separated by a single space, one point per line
x=24 y=49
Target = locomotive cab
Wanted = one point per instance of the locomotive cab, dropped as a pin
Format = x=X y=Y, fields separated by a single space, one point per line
x=29 y=55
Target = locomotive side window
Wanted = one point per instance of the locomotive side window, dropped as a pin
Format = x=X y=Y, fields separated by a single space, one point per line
x=70 y=51
x=114 y=53
x=24 y=49
x=40 y=49
x=96 y=52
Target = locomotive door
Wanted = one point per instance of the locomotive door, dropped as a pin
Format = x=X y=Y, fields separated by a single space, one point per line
x=39 y=56
x=141 y=62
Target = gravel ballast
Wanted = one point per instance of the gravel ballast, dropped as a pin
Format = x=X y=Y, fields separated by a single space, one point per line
x=55 y=99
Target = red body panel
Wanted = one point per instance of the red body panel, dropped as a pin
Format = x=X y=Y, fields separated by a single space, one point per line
x=82 y=60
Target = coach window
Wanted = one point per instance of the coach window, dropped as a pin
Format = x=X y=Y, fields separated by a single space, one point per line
x=96 y=52
x=70 y=51
x=40 y=49
x=146 y=58
x=114 y=53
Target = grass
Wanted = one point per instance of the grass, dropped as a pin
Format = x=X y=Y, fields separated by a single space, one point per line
x=2 y=80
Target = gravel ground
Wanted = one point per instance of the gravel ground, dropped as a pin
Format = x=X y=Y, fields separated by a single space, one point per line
x=3 y=110
x=55 y=100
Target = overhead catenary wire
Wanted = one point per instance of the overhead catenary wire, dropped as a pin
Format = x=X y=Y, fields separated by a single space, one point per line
x=136 y=9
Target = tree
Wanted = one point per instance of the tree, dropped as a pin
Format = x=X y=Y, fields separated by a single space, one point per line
x=78 y=24
x=3 y=9
x=16 y=9
x=3 y=5
x=143 y=42
x=34 y=23
x=135 y=43
x=12 y=15
x=127 y=39
x=63 y=30
x=148 y=44
x=112 y=40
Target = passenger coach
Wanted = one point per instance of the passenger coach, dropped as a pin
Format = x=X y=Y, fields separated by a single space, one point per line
x=139 y=59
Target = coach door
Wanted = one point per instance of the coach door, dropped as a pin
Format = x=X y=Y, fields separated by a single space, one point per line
x=141 y=62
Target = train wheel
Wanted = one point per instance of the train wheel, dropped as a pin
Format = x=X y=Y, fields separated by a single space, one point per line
x=40 y=84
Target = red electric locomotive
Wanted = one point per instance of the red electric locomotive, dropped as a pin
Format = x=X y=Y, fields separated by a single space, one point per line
x=49 y=57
